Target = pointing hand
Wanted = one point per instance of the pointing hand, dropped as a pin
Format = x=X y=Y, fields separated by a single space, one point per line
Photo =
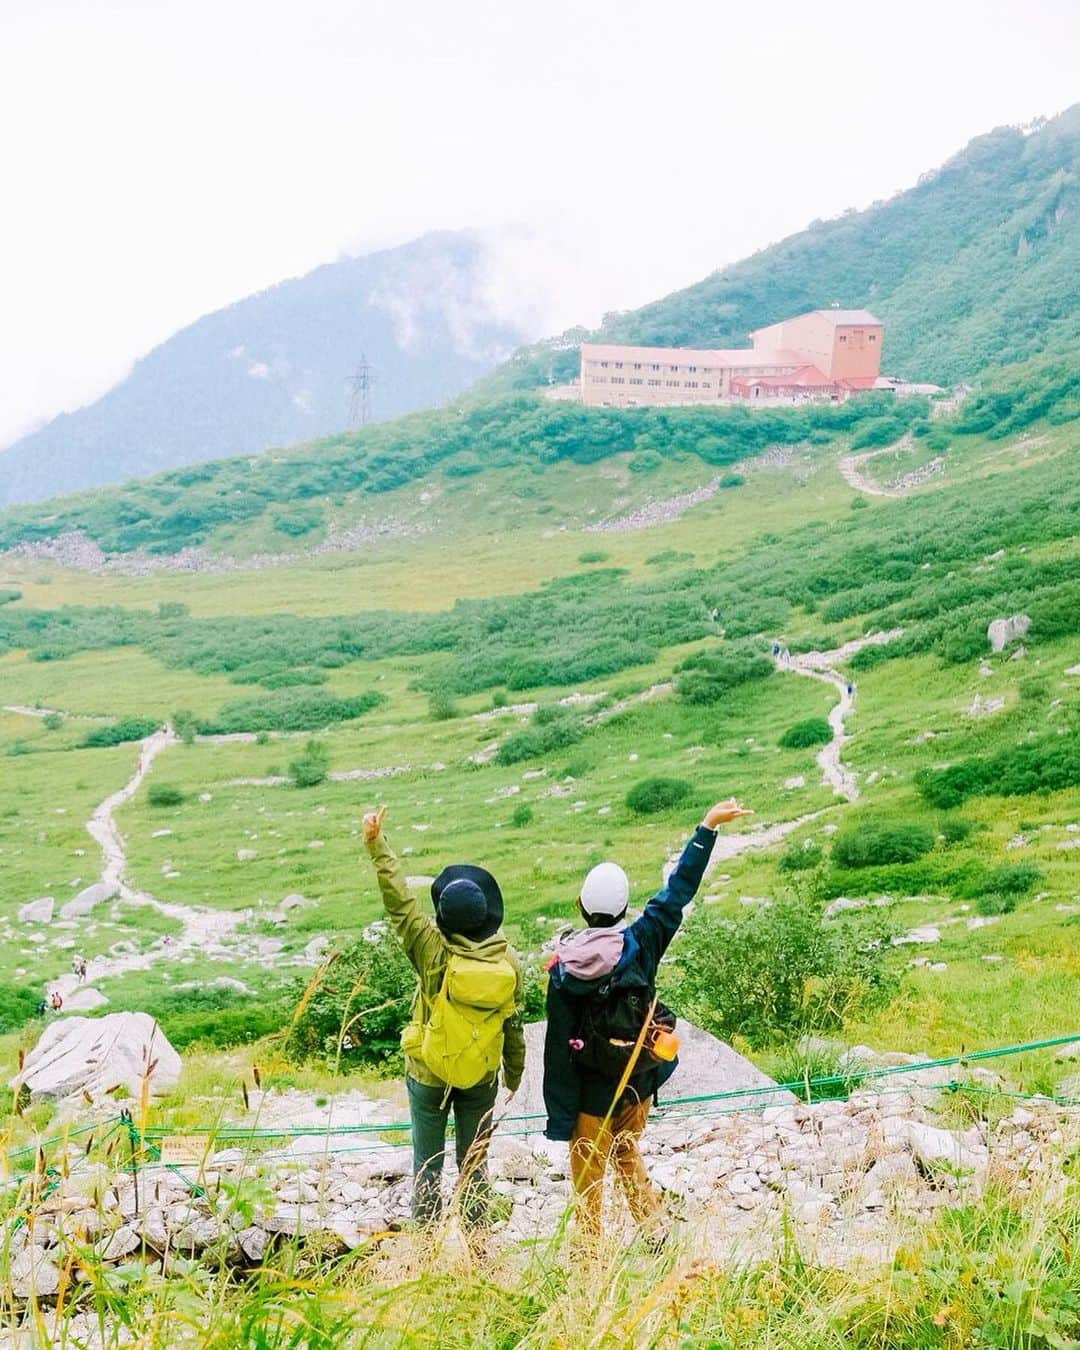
x=373 y=824
x=724 y=811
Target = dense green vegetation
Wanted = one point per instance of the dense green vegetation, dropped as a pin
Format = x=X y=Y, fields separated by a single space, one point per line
x=185 y=507
x=657 y=794
x=814 y=731
x=977 y=265
x=778 y=971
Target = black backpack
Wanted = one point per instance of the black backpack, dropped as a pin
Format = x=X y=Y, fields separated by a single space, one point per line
x=609 y=1024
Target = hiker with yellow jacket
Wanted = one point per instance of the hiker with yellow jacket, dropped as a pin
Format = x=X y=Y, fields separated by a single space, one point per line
x=465 y=1021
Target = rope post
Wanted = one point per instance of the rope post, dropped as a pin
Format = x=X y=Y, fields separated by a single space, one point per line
x=135 y=1144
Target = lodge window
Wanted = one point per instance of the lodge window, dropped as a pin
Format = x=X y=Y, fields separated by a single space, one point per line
x=637 y=365
x=843 y=337
x=618 y=365
x=656 y=367
x=872 y=337
x=617 y=379
x=672 y=384
x=692 y=369
x=654 y=382
x=604 y=364
x=637 y=381
x=691 y=384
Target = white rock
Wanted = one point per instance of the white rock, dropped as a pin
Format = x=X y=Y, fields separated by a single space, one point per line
x=931 y=1144
x=121 y=1243
x=245 y=854
x=926 y=934
x=1003 y=631
x=37 y=911
x=33 y=1275
x=76 y=1055
x=86 y=900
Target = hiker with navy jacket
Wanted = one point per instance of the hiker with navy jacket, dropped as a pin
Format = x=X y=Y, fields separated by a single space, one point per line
x=465 y=1021
x=601 y=995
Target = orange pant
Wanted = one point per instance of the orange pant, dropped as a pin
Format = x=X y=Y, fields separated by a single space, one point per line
x=590 y=1149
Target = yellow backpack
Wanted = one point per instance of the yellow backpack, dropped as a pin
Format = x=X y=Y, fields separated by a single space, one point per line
x=462 y=1041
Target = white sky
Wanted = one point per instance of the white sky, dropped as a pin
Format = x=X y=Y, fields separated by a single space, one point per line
x=161 y=158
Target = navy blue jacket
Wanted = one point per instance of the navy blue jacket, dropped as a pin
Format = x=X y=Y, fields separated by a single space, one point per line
x=568 y=1090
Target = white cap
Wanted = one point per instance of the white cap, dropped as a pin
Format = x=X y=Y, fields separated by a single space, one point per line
x=606 y=890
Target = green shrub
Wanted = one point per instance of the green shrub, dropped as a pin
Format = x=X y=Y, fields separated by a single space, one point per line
x=955 y=829
x=310 y=768
x=593 y=556
x=814 y=731
x=117 y=733
x=165 y=794
x=1036 y=766
x=8 y=597
x=173 y=609
x=777 y=971
x=216 y=1016
x=186 y=725
x=801 y=857
x=1013 y=878
x=706 y=677
x=441 y=706
x=522 y=815
x=18 y=1004
x=657 y=794
x=859 y=504
x=365 y=998
x=52 y=721
x=304 y=709
x=551 y=728
x=731 y=480
x=996 y=902
x=873 y=845
x=668 y=557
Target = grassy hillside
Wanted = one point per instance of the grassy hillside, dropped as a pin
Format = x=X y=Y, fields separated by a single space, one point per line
x=977 y=265
x=432 y=698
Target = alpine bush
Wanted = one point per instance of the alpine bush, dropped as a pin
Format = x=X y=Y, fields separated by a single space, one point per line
x=814 y=731
x=310 y=768
x=117 y=733
x=165 y=794
x=874 y=845
x=708 y=676
x=777 y=971
x=657 y=794
x=361 y=1003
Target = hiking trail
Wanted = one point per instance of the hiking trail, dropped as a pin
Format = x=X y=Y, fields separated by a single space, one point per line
x=815 y=666
x=851 y=467
x=203 y=930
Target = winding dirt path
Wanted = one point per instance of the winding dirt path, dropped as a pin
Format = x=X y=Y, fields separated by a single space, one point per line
x=851 y=466
x=821 y=666
x=206 y=931
x=815 y=666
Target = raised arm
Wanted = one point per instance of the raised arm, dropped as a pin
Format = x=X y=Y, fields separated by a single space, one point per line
x=663 y=914
x=416 y=931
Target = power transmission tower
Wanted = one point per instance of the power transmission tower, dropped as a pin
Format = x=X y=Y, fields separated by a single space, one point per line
x=359 y=385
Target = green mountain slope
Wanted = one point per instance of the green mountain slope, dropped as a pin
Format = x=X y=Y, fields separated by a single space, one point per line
x=977 y=265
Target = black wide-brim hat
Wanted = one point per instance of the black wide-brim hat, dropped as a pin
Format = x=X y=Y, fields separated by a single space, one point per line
x=481 y=877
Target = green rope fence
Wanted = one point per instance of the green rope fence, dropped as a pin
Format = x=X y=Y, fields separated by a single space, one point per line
x=146 y=1142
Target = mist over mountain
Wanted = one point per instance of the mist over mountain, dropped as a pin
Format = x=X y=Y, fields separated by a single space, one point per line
x=977 y=265
x=274 y=368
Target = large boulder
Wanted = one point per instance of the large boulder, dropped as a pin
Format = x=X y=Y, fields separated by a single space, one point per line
x=95 y=1056
x=706 y=1065
x=37 y=911
x=85 y=901
x=1003 y=631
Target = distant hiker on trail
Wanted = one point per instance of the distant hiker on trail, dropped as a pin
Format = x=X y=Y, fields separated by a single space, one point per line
x=55 y=1001
x=465 y=1021
x=776 y=649
x=78 y=966
x=850 y=689
x=42 y=1007
x=602 y=1009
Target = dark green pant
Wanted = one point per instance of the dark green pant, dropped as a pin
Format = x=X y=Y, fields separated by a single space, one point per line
x=429 y=1110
